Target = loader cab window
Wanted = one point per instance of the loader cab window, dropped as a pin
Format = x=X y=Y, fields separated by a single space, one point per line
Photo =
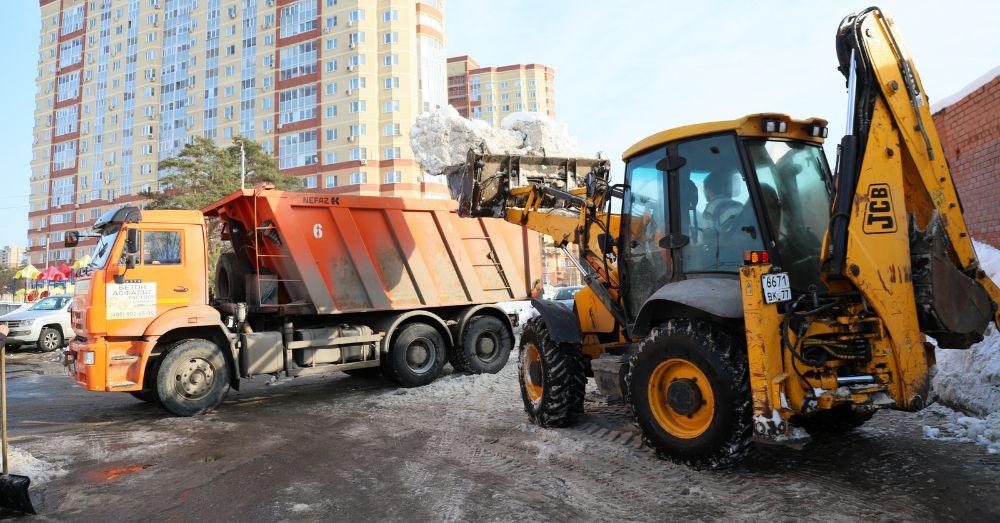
x=716 y=212
x=795 y=192
x=647 y=265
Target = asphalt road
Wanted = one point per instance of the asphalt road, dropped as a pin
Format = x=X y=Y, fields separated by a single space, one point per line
x=460 y=449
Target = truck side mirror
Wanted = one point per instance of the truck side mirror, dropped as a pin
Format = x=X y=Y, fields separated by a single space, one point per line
x=72 y=238
x=674 y=240
x=132 y=241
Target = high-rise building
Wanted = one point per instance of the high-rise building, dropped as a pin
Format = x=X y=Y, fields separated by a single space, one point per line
x=329 y=87
x=11 y=256
x=491 y=93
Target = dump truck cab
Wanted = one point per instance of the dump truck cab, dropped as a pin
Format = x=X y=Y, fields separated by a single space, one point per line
x=698 y=198
x=146 y=280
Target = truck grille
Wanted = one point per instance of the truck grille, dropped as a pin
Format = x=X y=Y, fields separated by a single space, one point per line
x=13 y=324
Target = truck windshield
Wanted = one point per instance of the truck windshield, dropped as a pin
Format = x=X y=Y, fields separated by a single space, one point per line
x=793 y=179
x=103 y=248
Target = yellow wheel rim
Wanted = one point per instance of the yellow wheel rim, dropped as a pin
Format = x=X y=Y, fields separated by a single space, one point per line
x=681 y=398
x=532 y=358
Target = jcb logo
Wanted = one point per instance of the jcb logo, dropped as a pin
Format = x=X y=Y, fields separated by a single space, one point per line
x=879 y=218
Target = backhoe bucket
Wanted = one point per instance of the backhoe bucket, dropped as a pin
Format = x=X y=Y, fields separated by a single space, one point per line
x=485 y=185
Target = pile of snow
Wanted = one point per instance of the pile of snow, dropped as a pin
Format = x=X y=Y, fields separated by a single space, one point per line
x=24 y=464
x=443 y=138
x=967 y=382
x=965 y=91
x=522 y=308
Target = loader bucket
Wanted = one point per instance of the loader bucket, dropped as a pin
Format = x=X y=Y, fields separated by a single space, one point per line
x=484 y=186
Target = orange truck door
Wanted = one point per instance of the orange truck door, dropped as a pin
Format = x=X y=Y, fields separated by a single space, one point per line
x=158 y=282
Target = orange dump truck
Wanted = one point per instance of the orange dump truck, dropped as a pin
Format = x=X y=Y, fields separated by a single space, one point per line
x=314 y=283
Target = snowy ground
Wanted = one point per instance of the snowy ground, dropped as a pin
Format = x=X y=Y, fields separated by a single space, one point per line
x=459 y=449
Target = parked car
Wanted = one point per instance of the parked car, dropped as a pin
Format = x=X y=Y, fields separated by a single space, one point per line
x=45 y=324
x=564 y=295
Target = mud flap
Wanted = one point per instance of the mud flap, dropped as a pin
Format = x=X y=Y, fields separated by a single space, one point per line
x=563 y=325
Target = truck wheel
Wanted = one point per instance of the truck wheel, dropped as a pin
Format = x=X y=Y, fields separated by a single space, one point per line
x=485 y=347
x=147 y=395
x=230 y=278
x=148 y=392
x=193 y=378
x=552 y=377
x=689 y=390
x=49 y=339
x=832 y=422
x=417 y=355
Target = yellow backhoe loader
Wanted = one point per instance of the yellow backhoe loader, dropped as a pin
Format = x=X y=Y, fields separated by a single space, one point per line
x=735 y=289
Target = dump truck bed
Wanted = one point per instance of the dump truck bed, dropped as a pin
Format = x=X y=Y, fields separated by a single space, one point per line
x=324 y=253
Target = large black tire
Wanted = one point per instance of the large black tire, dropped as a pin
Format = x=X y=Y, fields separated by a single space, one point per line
x=49 y=339
x=230 y=278
x=193 y=378
x=417 y=355
x=148 y=392
x=706 y=422
x=833 y=422
x=485 y=348
x=147 y=395
x=552 y=377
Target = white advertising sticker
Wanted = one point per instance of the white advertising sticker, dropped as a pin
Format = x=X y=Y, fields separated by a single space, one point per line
x=128 y=301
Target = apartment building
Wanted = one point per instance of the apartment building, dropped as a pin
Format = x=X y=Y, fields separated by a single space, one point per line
x=329 y=87
x=11 y=256
x=491 y=93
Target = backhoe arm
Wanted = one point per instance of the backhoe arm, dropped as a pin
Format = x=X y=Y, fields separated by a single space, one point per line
x=897 y=214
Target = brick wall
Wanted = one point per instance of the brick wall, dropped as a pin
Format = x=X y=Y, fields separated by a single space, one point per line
x=970 y=133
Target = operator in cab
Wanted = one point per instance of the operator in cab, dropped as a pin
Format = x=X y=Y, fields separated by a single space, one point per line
x=720 y=206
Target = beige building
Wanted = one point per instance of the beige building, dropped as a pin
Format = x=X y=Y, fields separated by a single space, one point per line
x=491 y=93
x=329 y=87
x=11 y=256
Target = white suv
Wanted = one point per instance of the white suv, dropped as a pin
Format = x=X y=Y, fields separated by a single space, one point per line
x=46 y=324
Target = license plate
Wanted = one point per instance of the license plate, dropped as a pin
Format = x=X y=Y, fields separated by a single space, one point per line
x=776 y=287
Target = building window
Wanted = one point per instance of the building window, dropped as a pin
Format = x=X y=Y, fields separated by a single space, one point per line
x=359 y=129
x=391 y=15
x=358 y=83
x=392 y=129
x=330 y=182
x=394 y=177
x=359 y=153
x=392 y=83
x=298 y=60
x=331 y=135
x=297 y=149
x=72 y=20
x=331 y=158
x=331 y=111
x=331 y=44
x=66 y=120
x=391 y=37
x=392 y=153
x=356 y=15
x=297 y=104
x=68 y=87
x=298 y=18
x=309 y=182
x=392 y=106
x=359 y=177
x=331 y=88
x=64 y=155
x=355 y=38
x=70 y=52
x=358 y=106
x=390 y=60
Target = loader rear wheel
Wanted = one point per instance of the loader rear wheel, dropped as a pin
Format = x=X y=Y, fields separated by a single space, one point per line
x=417 y=356
x=688 y=387
x=552 y=377
x=193 y=378
x=485 y=348
x=832 y=422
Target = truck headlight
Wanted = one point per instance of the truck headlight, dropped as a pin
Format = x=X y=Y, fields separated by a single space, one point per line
x=88 y=357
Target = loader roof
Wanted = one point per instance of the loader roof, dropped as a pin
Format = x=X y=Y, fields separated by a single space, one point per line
x=750 y=125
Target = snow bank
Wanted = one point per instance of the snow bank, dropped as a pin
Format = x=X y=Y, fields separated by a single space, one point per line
x=965 y=91
x=38 y=471
x=443 y=138
x=522 y=308
x=968 y=382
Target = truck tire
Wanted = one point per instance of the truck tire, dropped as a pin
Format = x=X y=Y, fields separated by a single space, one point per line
x=193 y=378
x=688 y=386
x=230 y=278
x=49 y=339
x=552 y=377
x=148 y=392
x=417 y=355
x=485 y=347
x=833 y=422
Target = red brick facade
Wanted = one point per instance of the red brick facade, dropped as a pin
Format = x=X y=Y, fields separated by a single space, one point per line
x=970 y=133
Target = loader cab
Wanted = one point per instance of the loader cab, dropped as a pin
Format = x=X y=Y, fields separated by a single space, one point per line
x=698 y=197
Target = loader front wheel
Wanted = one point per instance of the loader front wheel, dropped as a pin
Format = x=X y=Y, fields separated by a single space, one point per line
x=552 y=377
x=688 y=387
x=193 y=378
